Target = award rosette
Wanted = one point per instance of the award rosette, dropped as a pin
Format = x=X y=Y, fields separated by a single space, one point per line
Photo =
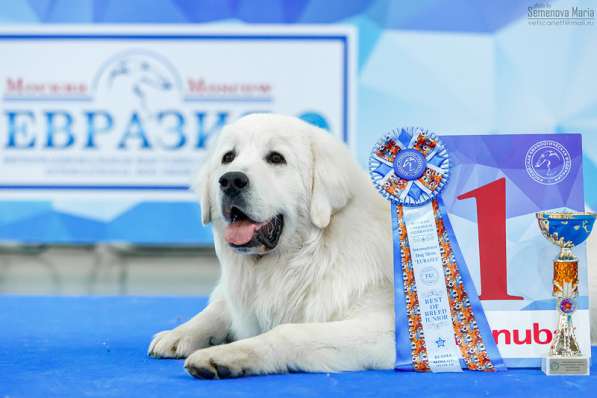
x=440 y=323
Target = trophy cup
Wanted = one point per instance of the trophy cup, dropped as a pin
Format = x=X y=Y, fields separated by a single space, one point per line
x=565 y=229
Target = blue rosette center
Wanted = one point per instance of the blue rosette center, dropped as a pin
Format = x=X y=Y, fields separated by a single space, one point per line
x=409 y=166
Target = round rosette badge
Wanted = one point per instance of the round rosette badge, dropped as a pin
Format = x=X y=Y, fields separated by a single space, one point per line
x=409 y=166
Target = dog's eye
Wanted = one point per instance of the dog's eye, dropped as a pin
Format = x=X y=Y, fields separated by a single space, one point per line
x=228 y=157
x=275 y=158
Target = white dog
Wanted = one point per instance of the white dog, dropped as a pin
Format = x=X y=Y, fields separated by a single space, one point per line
x=304 y=243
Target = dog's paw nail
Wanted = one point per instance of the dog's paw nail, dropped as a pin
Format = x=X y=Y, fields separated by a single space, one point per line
x=223 y=372
x=201 y=373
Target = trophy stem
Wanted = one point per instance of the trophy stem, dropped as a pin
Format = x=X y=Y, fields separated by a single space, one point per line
x=566 y=254
x=564 y=343
x=565 y=289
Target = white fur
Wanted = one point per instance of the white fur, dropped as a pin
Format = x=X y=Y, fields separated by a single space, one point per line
x=322 y=299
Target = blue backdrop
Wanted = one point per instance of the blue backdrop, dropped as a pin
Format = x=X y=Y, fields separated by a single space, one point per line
x=452 y=66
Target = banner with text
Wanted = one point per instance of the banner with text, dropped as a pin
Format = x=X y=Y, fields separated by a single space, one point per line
x=102 y=128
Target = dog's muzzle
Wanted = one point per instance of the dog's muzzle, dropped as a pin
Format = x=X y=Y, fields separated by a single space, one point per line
x=244 y=232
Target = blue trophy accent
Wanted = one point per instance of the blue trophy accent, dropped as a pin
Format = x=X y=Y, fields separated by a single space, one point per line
x=566 y=229
x=567 y=305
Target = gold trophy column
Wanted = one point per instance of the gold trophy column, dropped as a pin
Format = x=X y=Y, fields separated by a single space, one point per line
x=565 y=289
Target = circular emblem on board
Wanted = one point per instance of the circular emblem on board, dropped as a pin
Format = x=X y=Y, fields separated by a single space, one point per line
x=548 y=162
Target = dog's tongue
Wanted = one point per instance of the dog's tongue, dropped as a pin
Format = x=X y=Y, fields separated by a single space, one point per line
x=240 y=232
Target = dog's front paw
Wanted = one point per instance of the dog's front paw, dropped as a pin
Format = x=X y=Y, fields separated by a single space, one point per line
x=178 y=343
x=221 y=362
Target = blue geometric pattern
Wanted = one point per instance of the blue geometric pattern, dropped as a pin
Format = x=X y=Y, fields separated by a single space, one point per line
x=463 y=66
x=178 y=223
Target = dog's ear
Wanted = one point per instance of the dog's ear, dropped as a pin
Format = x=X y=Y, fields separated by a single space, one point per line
x=330 y=191
x=200 y=186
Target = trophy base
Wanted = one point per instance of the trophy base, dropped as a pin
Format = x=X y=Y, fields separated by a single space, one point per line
x=566 y=366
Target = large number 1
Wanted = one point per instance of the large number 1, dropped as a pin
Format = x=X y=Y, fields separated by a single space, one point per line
x=491 y=223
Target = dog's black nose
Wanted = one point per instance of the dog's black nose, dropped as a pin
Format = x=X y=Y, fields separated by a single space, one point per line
x=233 y=183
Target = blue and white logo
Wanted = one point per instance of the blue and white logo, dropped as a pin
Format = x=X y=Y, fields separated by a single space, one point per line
x=145 y=79
x=548 y=162
x=429 y=276
x=409 y=164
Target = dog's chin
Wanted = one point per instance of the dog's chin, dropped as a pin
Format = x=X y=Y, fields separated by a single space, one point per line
x=246 y=236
